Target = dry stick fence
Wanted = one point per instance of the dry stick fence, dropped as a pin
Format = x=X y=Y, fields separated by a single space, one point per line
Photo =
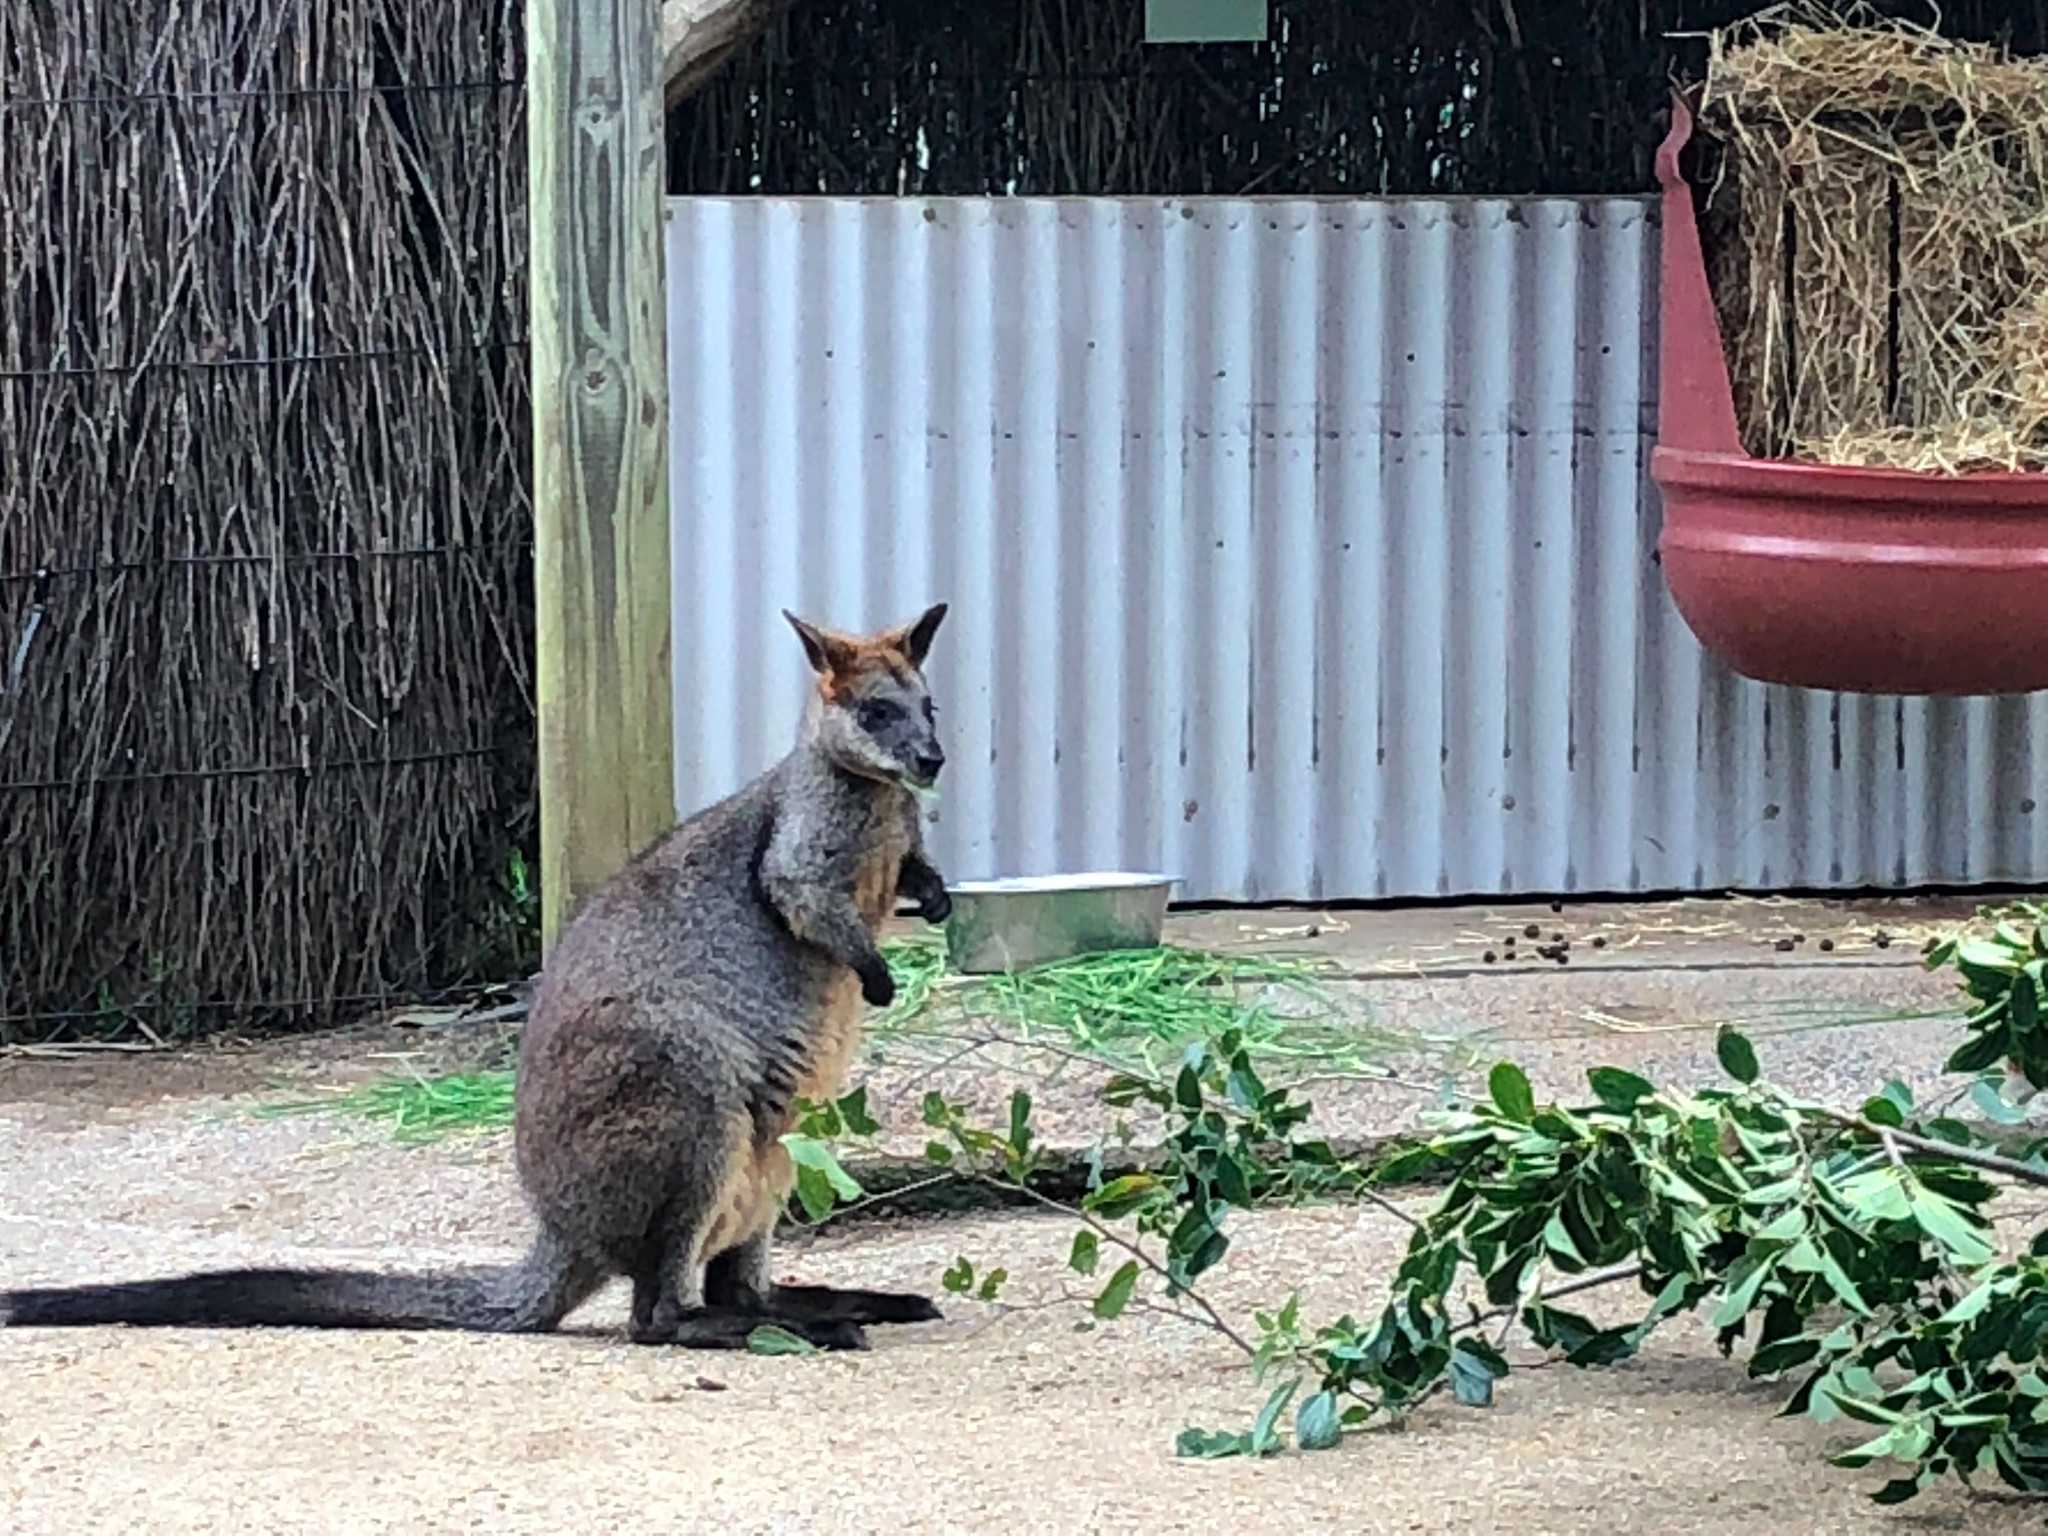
x=264 y=529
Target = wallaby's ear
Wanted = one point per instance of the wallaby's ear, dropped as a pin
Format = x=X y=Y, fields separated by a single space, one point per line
x=828 y=653
x=915 y=640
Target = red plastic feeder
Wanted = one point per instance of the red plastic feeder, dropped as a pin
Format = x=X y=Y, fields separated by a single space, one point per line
x=1857 y=580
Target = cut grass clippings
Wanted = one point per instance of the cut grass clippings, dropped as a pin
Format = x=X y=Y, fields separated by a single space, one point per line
x=1129 y=1011
x=419 y=1108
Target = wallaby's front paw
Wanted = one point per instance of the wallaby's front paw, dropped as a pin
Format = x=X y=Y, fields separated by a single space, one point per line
x=937 y=907
x=877 y=986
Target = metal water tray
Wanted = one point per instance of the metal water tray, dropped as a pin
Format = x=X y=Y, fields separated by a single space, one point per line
x=1027 y=920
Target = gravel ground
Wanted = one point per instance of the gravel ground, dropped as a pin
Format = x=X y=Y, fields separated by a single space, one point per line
x=997 y=1419
x=994 y=1420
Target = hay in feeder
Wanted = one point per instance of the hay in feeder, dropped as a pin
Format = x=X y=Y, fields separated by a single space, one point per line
x=1879 y=234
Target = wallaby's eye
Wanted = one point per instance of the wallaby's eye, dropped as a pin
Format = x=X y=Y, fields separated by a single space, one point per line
x=878 y=714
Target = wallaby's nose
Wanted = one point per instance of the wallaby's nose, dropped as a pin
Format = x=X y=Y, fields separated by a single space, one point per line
x=929 y=763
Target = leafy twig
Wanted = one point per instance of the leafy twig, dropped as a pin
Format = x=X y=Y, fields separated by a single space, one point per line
x=1109 y=1234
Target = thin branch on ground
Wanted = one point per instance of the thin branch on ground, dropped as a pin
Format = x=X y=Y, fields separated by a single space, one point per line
x=1210 y=1316
x=883 y=1196
x=1372 y=1196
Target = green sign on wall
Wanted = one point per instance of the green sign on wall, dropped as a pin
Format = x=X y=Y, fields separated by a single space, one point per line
x=1205 y=21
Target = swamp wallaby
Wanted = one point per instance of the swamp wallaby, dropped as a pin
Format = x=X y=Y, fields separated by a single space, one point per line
x=686 y=1006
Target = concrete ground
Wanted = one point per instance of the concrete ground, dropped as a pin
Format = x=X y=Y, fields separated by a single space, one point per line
x=1014 y=1417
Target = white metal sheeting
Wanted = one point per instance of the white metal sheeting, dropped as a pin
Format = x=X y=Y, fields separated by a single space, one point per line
x=1301 y=549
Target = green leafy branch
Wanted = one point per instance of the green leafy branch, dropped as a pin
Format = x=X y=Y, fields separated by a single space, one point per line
x=1851 y=1250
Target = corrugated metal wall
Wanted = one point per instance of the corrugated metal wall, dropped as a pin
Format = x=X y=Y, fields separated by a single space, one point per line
x=1301 y=549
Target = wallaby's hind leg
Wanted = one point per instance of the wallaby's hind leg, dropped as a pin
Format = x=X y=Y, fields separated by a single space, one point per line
x=742 y=1278
x=670 y=1305
x=668 y=1281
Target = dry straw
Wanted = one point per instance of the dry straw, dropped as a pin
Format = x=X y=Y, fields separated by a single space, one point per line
x=1880 y=241
x=263 y=520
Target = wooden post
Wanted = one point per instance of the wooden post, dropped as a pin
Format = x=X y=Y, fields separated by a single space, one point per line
x=600 y=441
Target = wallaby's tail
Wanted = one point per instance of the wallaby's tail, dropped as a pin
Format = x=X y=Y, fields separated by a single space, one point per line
x=532 y=1296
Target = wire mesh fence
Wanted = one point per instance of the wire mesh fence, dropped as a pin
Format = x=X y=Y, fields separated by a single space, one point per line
x=265 y=718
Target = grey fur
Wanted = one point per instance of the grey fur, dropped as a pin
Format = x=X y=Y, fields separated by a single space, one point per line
x=686 y=1006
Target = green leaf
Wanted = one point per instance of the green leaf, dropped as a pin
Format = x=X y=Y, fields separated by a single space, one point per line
x=1984 y=962
x=1123 y=1090
x=1945 y=1224
x=1845 y=1288
x=814 y=1193
x=1576 y=1337
x=1020 y=1122
x=1196 y=1246
x=1741 y=1294
x=771 y=1340
x=1897 y=1491
x=958 y=1278
x=1860 y=1408
x=1987 y=1049
x=853 y=1110
x=1265 y=1433
x=1882 y=1111
x=1117 y=1294
x=991 y=1283
x=1993 y=1104
x=1231 y=1182
x=1475 y=1367
x=1405 y=1166
x=2024 y=1004
x=1972 y=1303
x=1618 y=1090
x=808 y=1153
x=1785 y=1355
x=1187 y=1089
x=1512 y=1094
x=1317 y=1424
x=822 y=1121
x=1121 y=1196
x=1738 y=1056
x=1201 y=1445
x=938 y=1152
x=1802 y=1258
x=1557 y=1238
x=1243 y=1088
x=1876 y=1195
x=1788 y=1226
x=1086 y=1252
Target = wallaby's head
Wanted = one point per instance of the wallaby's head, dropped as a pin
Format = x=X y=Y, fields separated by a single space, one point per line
x=874 y=714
